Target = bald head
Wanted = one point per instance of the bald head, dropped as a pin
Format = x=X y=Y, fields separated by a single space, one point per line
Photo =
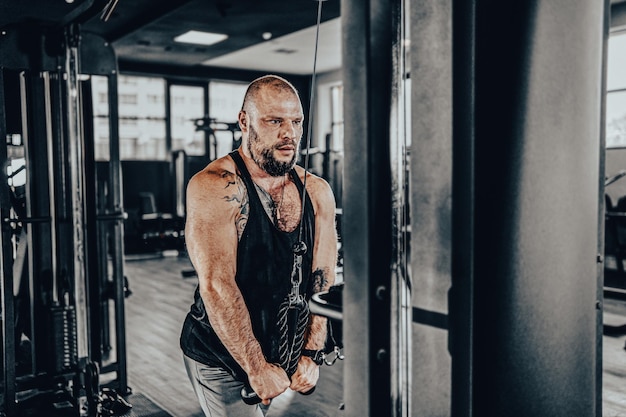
x=273 y=83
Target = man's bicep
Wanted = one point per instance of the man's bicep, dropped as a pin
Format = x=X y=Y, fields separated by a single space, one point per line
x=212 y=245
x=211 y=232
x=325 y=254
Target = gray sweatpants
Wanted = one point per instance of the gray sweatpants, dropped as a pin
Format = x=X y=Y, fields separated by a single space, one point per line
x=219 y=393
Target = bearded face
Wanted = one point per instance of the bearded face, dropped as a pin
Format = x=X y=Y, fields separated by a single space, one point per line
x=264 y=155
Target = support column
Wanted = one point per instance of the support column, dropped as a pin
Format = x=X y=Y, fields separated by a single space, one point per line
x=538 y=100
x=431 y=204
x=8 y=400
x=367 y=55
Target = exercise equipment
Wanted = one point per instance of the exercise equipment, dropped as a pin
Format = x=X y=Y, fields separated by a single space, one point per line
x=61 y=232
x=328 y=304
x=614 y=240
x=211 y=125
x=293 y=318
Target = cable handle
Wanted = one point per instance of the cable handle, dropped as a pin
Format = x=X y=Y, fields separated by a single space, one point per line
x=251 y=398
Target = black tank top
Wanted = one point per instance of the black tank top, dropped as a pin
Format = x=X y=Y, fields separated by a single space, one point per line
x=264 y=264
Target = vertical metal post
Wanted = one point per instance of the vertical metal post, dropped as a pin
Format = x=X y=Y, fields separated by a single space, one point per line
x=98 y=58
x=74 y=133
x=77 y=190
x=461 y=297
x=431 y=204
x=601 y=211
x=401 y=326
x=115 y=205
x=367 y=57
x=28 y=92
x=8 y=404
x=51 y=185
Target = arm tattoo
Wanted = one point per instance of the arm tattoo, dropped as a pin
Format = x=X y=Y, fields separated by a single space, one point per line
x=238 y=194
x=319 y=280
x=315 y=335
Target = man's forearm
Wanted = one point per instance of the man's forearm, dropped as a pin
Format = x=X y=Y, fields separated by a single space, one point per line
x=230 y=319
x=316 y=333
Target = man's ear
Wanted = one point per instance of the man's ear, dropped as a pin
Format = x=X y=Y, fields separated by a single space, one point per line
x=243 y=120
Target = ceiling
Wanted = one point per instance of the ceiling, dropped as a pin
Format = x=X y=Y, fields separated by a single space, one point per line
x=142 y=31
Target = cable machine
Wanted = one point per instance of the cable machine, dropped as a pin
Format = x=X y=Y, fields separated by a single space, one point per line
x=61 y=258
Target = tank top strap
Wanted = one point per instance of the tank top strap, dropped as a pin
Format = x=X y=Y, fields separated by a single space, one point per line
x=296 y=180
x=245 y=174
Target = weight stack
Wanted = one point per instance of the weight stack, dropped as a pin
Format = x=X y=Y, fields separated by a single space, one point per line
x=63 y=345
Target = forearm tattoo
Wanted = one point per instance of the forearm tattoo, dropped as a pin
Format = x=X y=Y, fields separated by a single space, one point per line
x=236 y=193
x=315 y=335
x=320 y=280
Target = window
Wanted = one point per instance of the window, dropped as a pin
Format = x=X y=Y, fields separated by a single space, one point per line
x=225 y=99
x=187 y=107
x=337 y=117
x=141 y=118
x=616 y=92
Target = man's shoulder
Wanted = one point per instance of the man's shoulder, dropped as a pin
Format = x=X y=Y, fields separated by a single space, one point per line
x=219 y=180
x=217 y=173
x=314 y=183
x=317 y=188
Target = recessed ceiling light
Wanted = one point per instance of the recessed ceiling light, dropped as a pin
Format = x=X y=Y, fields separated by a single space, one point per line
x=200 y=38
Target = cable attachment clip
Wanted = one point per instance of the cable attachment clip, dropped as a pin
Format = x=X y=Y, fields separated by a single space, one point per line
x=334 y=355
x=295 y=298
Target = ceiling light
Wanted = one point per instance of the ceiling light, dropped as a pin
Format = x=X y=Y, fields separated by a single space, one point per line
x=200 y=38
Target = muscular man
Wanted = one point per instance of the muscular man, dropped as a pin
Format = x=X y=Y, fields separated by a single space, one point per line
x=243 y=218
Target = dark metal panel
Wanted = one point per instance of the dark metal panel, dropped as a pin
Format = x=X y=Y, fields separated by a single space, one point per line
x=538 y=117
x=41 y=282
x=367 y=46
x=97 y=56
x=11 y=55
x=462 y=291
x=431 y=192
x=44 y=11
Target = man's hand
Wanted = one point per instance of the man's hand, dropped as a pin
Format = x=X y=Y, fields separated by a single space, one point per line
x=306 y=375
x=269 y=383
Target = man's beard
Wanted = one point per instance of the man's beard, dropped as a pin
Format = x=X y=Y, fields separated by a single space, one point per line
x=264 y=158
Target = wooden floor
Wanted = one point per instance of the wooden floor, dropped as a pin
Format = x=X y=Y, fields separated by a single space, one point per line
x=154 y=315
x=158 y=304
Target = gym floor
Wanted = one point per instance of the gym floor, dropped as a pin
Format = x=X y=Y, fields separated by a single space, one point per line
x=614 y=358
